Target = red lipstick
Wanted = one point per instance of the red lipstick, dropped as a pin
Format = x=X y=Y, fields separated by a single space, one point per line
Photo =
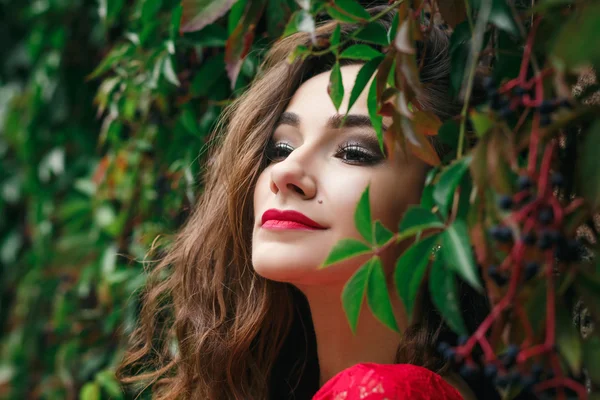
x=288 y=219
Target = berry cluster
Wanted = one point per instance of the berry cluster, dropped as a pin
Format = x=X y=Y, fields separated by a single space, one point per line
x=504 y=371
x=532 y=234
x=510 y=102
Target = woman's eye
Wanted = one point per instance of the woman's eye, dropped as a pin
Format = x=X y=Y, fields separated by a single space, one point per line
x=355 y=154
x=278 y=151
x=350 y=153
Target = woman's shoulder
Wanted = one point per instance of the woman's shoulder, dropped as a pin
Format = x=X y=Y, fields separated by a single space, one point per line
x=372 y=381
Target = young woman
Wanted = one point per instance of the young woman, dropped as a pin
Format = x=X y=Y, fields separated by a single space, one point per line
x=238 y=309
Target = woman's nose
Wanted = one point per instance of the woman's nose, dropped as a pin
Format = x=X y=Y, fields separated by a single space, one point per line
x=289 y=176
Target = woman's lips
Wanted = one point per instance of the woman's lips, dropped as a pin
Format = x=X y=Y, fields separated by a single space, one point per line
x=281 y=225
x=288 y=219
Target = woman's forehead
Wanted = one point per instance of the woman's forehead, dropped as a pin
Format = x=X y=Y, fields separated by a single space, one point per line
x=311 y=99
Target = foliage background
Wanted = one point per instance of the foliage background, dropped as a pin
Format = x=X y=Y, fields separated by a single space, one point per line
x=105 y=111
x=105 y=114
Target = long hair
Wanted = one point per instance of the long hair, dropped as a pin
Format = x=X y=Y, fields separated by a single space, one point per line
x=210 y=326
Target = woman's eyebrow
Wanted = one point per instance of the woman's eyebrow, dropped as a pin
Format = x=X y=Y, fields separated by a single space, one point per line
x=334 y=122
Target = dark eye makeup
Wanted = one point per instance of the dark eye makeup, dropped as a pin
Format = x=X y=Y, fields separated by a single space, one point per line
x=351 y=152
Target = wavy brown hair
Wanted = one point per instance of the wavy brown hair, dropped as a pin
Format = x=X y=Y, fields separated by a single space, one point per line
x=212 y=328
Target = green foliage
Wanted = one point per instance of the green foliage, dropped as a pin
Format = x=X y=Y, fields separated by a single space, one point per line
x=105 y=114
x=444 y=294
x=410 y=269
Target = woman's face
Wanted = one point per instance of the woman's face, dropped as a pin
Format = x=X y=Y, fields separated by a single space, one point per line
x=321 y=171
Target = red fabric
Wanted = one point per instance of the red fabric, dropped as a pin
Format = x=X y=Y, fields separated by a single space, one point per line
x=372 y=381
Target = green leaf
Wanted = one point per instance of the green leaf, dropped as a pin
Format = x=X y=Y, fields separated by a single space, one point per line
x=378 y=297
x=199 y=13
x=444 y=294
x=589 y=166
x=150 y=9
x=344 y=249
x=335 y=36
x=415 y=220
x=278 y=13
x=374 y=33
x=347 y=11
x=572 y=46
x=376 y=119
x=449 y=180
x=508 y=58
x=460 y=44
x=169 y=71
x=362 y=78
x=591 y=358
x=107 y=380
x=456 y=249
x=212 y=35
x=90 y=391
x=568 y=338
x=481 y=122
x=354 y=292
x=235 y=15
x=410 y=268
x=427 y=197
x=449 y=133
x=335 y=89
x=175 y=22
x=213 y=67
x=502 y=17
x=382 y=234
x=361 y=52
x=362 y=216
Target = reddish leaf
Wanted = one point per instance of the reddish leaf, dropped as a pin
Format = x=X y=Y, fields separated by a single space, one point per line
x=240 y=41
x=426 y=123
x=419 y=144
x=453 y=11
x=199 y=13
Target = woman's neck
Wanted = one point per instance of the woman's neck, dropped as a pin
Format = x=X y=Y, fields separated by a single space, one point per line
x=337 y=347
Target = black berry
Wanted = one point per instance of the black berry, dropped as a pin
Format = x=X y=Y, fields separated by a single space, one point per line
x=566 y=103
x=557 y=179
x=462 y=340
x=519 y=91
x=505 y=112
x=510 y=356
x=502 y=380
x=531 y=270
x=546 y=215
x=449 y=354
x=489 y=83
x=490 y=371
x=442 y=347
x=501 y=233
x=505 y=202
x=547 y=107
x=529 y=238
x=537 y=370
x=524 y=182
x=527 y=381
x=496 y=276
x=468 y=371
x=568 y=250
x=545 y=120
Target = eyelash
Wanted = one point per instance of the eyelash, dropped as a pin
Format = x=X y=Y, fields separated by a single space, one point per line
x=349 y=147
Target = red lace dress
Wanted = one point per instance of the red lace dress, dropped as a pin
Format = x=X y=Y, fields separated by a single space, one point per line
x=372 y=381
